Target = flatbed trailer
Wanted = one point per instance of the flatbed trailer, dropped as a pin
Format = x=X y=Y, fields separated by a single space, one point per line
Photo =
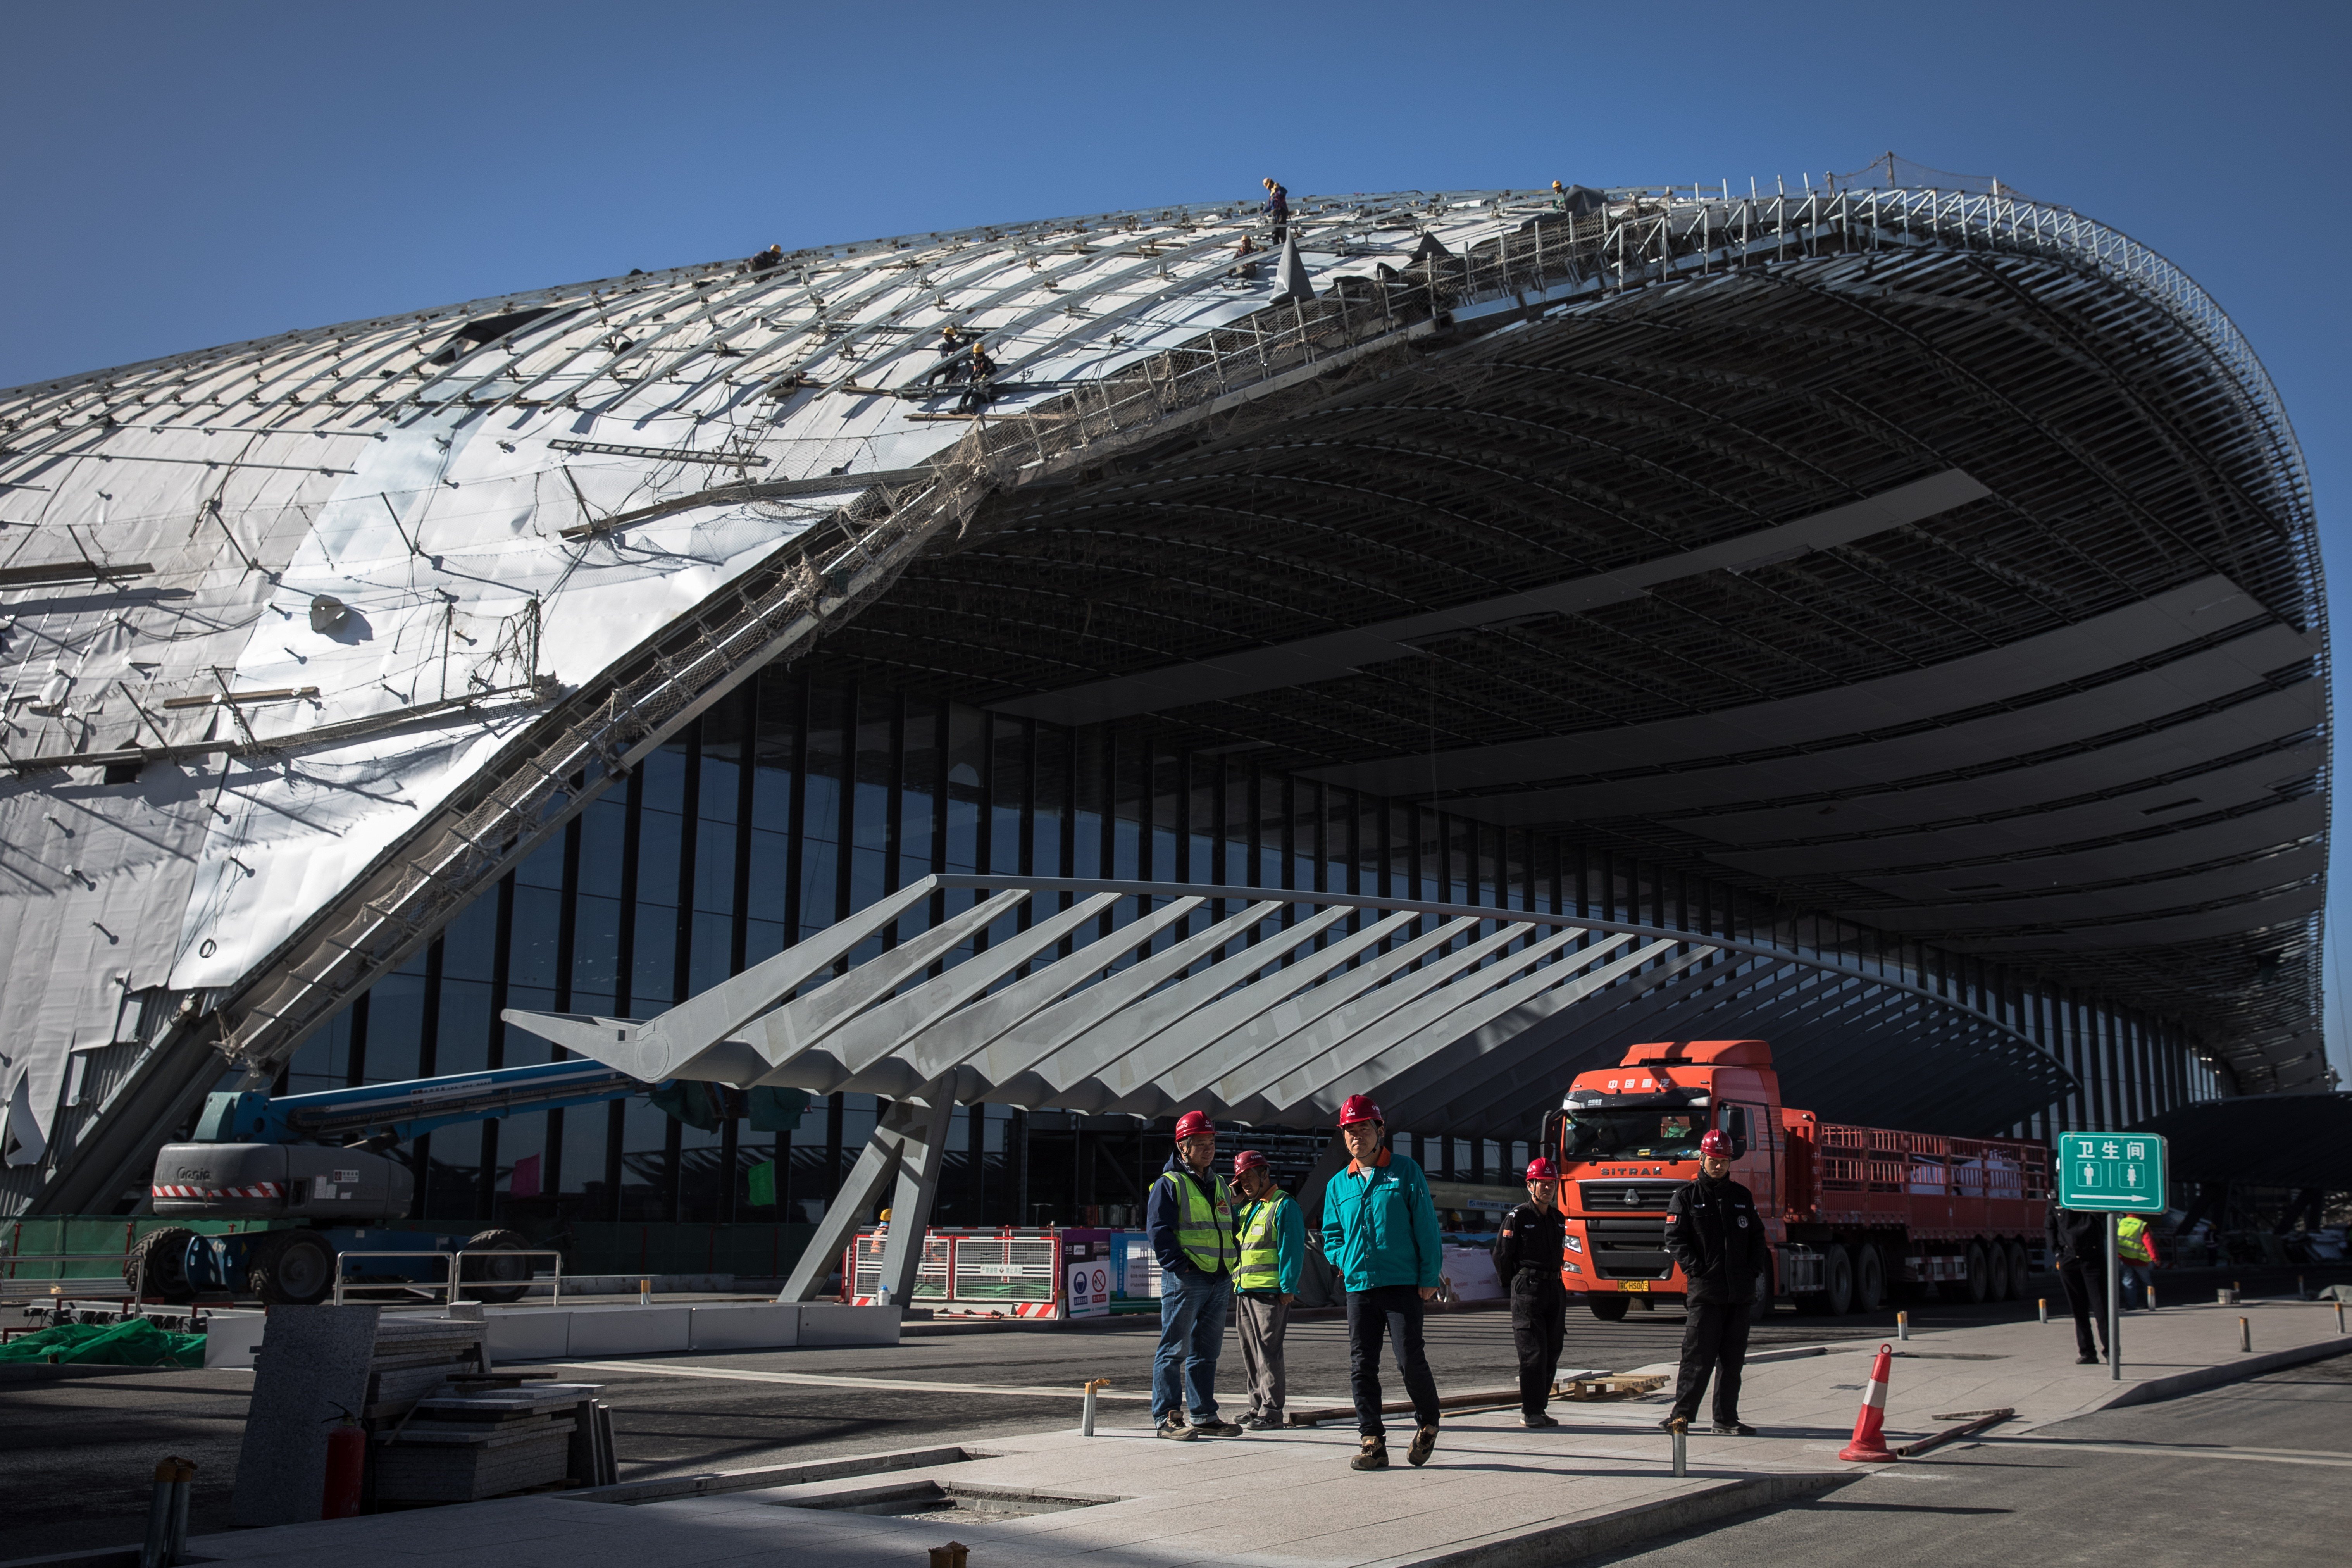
x=1853 y=1215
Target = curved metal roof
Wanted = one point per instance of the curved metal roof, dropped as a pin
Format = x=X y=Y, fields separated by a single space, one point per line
x=1943 y=562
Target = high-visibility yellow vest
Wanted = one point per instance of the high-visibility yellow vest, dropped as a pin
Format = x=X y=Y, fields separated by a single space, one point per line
x=2131 y=1245
x=1204 y=1229
x=1258 y=1233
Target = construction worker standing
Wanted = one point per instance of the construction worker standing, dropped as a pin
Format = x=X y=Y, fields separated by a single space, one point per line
x=1271 y=1236
x=1379 y=1231
x=1276 y=209
x=2078 y=1247
x=1718 y=1238
x=1526 y=1258
x=1190 y=1218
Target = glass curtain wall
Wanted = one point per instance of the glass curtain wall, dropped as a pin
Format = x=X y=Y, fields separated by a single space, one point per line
x=803 y=798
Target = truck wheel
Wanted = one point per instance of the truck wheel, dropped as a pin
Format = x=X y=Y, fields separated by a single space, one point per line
x=1837 y=1274
x=1978 y=1283
x=1869 y=1280
x=158 y=1263
x=1608 y=1309
x=495 y=1267
x=291 y=1268
x=2019 y=1268
x=1997 y=1272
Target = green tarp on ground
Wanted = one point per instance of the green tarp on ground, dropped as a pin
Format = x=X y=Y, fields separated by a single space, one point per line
x=137 y=1342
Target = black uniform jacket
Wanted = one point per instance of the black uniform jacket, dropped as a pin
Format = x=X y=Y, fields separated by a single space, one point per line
x=2077 y=1237
x=1527 y=1253
x=1717 y=1237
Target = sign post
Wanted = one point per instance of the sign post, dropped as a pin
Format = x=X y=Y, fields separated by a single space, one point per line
x=2112 y=1174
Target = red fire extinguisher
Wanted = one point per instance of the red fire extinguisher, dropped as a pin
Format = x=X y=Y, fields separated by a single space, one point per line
x=346 y=1463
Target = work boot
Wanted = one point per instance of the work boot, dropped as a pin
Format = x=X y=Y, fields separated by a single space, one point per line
x=1257 y=1421
x=1423 y=1442
x=1175 y=1431
x=1375 y=1456
x=1538 y=1418
x=1733 y=1429
x=1212 y=1428
x=2088 y=1360
x=1668 y=1424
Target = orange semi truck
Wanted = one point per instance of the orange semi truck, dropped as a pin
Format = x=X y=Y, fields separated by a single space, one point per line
x=1854 y=1216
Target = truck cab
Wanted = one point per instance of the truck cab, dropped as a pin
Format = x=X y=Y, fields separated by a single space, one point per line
x=1626 y=1137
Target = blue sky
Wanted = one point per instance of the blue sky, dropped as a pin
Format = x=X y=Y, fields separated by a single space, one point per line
x=177 y=176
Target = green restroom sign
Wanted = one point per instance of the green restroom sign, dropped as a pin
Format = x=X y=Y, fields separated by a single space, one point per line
x=2111 y=1172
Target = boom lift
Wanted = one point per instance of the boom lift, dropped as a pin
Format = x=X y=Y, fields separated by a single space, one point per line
x=316 y=1161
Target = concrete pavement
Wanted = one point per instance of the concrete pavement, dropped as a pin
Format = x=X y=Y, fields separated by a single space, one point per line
x=1494 y=1494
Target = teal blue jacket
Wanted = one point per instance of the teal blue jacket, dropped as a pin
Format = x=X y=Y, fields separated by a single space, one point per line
x=1379 y=1227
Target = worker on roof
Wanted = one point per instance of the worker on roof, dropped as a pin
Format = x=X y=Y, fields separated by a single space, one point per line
x=1276 y=208
x=1379 y=1231
x=953 y=361
x=772 y=257
x=1527 y=1256
x=1718 y=1238
x=1243 y=266
x=979 y=371
x=1271 y=1236
x=1188 y=1215
x=1559 y=197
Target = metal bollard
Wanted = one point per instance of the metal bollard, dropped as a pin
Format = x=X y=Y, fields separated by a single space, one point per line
x=954 y=1554
x=167 y=1514
x=182 y=1483
x=2245 y=1335
x=1902 y=1325
x=1086 y=1425
x=2044 y=1304
x=156 y=1554
x=2340 y=1317
x=1682 y=1448
x=2151 y=1295
x=645 y=1292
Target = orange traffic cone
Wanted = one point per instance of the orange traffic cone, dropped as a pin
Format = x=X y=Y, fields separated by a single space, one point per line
x=1869 y=1443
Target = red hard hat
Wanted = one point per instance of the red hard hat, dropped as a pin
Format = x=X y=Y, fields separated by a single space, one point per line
x=1541 y=1169
x=1358 y=1107
x=1248 y=1160
x=1194 y=1124
x=1715 y=1143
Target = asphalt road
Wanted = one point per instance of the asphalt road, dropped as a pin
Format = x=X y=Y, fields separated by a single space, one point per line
x=2253 y=1472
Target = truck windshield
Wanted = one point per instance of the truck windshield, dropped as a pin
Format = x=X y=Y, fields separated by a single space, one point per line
x=1598 y=1132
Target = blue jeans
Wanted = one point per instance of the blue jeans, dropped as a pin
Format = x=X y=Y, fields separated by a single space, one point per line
x=1192 y=1308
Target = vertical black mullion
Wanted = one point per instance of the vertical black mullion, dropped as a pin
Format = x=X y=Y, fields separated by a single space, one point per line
x=428 y=1053
x=942 y=735
x=1028 y=817
x=796 y=814
x=1184 y=816
x=681 y=972
x=1147 y=819
x=845 y=826
x=567 y=939
x=355 y=1059
x=1069 y=831
x=747 y=751
x=501 y=977
x=1109 y=826
x=625 y=964
x=894 y=810
x=984 y=851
